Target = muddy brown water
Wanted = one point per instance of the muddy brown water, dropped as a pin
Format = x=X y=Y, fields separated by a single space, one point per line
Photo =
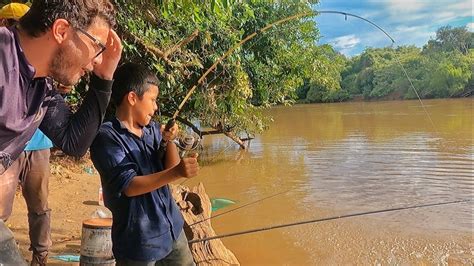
x=343 y=158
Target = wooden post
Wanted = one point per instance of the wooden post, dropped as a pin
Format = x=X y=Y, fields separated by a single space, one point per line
x=196 y=206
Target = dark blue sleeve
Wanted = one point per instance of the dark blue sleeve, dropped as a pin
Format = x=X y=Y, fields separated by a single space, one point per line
x=111 y=161
x=74 y=133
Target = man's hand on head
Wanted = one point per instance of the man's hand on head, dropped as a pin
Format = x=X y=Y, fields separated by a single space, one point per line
x=110 y=57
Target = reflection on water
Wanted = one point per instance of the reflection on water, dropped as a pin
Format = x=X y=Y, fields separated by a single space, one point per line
x=345 y=158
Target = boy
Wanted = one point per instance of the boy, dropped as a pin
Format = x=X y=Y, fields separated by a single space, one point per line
x=147 y=224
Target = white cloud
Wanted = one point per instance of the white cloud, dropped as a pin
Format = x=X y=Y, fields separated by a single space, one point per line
x=422 y=11
x=409 y=29
x=447 y=16
x=464 y=5
x=470 y=26
x=449 y=11
x=397 y=6
x=409 y=22
x=413 y=21
x=346 y=42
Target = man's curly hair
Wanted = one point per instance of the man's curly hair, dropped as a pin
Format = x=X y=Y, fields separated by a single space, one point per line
x=80 y=13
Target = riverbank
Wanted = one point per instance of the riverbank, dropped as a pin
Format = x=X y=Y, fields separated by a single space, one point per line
x=74 y=197
x=335 y=159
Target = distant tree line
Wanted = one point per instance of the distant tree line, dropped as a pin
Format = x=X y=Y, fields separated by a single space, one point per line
x=179 y=40
x=442 y=68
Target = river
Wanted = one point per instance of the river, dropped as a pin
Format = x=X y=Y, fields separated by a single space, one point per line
x=342 y=158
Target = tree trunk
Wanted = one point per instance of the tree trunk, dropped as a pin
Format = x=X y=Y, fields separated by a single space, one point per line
x=195 y=206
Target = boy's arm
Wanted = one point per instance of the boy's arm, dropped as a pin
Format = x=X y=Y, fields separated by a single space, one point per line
x=111 y=160
x=171 y=156
x=187 y=167
x=119 y=173
x=175 y=167
x=74 y=133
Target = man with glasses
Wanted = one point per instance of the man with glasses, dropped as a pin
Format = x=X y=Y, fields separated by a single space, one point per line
x=62 y=41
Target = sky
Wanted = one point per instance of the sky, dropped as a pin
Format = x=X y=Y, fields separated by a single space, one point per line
x=409 y=22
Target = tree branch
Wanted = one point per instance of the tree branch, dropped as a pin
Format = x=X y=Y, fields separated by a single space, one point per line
x=219 y=130
x=233 y=137
x=152 y=49
x=182 y=43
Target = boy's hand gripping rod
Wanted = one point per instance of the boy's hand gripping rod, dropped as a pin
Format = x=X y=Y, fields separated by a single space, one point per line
x=186 y=143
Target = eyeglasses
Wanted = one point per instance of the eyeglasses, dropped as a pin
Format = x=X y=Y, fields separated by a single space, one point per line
x=97 y=42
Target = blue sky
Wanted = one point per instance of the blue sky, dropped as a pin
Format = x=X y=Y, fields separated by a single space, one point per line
x=407 y=21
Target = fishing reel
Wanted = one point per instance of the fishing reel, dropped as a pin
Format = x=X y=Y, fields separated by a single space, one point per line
x=187 y=141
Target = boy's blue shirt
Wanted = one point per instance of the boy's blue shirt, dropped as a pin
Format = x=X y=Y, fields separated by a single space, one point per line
x=145 y=226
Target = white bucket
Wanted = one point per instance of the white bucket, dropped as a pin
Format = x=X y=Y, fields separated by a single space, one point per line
x=96 y=242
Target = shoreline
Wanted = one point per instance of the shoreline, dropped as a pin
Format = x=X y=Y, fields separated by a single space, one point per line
x=74 y=195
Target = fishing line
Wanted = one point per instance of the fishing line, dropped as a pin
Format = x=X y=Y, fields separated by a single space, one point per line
x=297 y=16
x=396 y=56
x=211 y=161
x=240 y=207
x=416 y=92
x=323 y=220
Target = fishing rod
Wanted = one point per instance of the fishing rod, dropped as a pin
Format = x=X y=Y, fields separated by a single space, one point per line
x=200 y=81
x=318 y=220
x=262 y=30
x=171 y=122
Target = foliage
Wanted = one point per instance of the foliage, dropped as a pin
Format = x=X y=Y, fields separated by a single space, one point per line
x=443 y=68
x=324 y=82
x=449 y=39
x=181 y=39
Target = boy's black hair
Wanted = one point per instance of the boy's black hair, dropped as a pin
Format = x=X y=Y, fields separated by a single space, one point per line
x=131 y=77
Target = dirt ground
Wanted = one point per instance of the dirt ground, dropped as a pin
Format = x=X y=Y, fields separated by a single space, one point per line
x=74 y=189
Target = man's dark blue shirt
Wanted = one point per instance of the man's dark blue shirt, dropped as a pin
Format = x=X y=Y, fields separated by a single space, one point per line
x=145 y=226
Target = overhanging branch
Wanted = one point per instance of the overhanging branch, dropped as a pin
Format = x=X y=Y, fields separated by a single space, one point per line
x=152 y=49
